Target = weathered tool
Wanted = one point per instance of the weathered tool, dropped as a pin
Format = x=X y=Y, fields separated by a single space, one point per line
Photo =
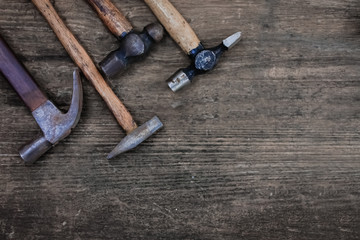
x=203 y=60
x=83 y=60
x=133 y=45
x=54 y=124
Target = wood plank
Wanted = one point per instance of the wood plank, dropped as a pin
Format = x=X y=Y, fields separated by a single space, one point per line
x=266 y=146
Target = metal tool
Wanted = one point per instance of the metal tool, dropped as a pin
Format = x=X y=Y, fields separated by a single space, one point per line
x=83 y=60
x=133 y=45
x=203 y=60
x=54 y=124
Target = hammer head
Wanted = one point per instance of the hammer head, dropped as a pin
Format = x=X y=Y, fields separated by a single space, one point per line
x=132 y=47
x=204 y=60
x=136 y=137
x=54 y=124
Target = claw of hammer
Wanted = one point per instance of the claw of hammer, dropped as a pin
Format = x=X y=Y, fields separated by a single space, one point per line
x=54 y=124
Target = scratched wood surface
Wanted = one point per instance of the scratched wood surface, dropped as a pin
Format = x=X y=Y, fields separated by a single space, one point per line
x=267 y=146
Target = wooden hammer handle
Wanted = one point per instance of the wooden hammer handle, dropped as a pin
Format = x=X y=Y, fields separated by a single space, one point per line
x=112 y=17
x=84 y=62
x=19 y=78
x=175 y=24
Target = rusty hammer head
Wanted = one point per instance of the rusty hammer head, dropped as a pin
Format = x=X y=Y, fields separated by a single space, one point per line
x=203 y=60
x=132 y=47
x=54 y=124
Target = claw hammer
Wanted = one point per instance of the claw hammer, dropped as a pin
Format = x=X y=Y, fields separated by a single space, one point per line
x=135 y=134
x=203 y=60
x=54 y=124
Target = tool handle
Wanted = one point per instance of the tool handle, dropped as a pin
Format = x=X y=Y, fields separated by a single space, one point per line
x=175 y=24
x=84 y=62
x=19 y=78
x=112 y=17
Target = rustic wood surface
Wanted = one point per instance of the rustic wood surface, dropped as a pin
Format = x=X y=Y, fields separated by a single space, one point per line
x=266 y=146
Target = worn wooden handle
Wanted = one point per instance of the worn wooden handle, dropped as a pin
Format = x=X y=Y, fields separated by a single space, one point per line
x=112 y=17
x=19 y=78
x=84 y=62
x=178 y=28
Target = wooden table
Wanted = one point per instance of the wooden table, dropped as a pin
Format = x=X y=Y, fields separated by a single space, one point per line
x=266 y=146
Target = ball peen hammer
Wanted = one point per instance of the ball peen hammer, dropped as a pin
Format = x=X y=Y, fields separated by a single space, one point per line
x=135 y=134
x=54 y=124
x=133 y=45
x=203 y=60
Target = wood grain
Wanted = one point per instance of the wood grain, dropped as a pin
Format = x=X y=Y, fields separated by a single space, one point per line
x=175 y=24
x=112 y=17
x=266 y=146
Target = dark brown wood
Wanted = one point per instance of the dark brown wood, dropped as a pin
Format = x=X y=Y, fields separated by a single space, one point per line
x=265 y=147
x=19 y=78
x=112 y=17
x=85 y=63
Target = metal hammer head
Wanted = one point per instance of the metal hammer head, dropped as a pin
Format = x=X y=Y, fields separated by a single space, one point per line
x=132 y=47
x=54 y=124
x=203 y=60
x=136 y=137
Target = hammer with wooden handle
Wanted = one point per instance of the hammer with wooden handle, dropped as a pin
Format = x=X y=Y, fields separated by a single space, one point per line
x=54 y=124
x=203 y=60
x=135 y=134
x=133 y=45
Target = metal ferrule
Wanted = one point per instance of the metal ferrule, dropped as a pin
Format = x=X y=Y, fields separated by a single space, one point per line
x=195 y=51
x=123 y=35
x=178 y=81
